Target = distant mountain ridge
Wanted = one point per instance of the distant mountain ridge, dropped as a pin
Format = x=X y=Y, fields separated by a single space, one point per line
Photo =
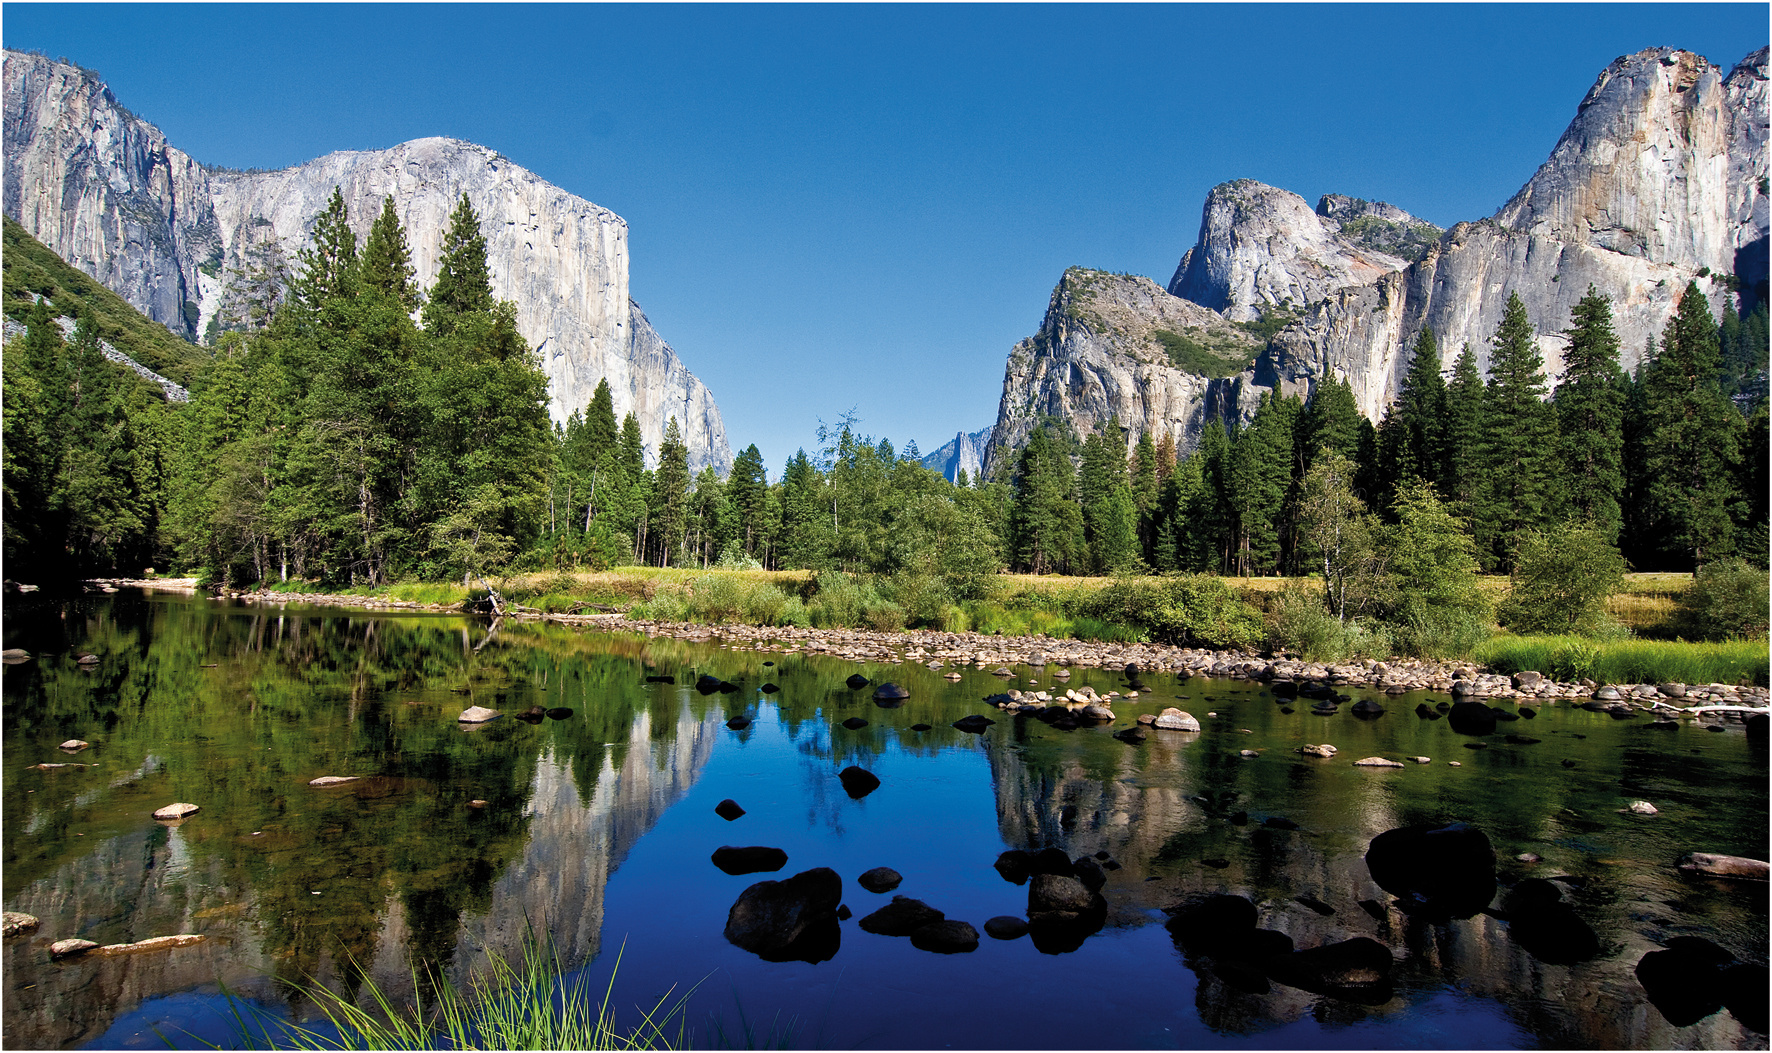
x=965 y=452
x=1660 y=179
x=106 y=191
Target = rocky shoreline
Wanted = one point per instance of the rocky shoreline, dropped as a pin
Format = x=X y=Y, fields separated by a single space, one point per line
x=951 y=650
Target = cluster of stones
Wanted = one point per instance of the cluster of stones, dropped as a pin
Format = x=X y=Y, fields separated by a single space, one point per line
x=20 y=924
x=1461 y=680
x=323 y=599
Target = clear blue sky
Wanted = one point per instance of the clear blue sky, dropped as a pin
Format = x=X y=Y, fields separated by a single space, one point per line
x=859 y=206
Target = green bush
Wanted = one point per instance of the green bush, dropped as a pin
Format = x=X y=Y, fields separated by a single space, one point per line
x=793 y=612
x=1563 y=577
x=884 y=616
x=922 y=596
x=1441 y=633
x=1298 y=622
x=1727 y=601
x=1085 y=628
x=1195 y=610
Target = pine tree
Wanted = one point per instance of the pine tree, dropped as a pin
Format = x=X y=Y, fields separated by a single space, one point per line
x=1330 y=421
x=329 y=268
x=464 y=285
x=1460 y=476
x=671 y=494
x=1520 y=440
x=1590 y=409
x=1045 y=522
x=386 y=264
x=1146 y=490
x=1411 y=439
x=749 y=489
x=1260 y=472
x=1693 y=436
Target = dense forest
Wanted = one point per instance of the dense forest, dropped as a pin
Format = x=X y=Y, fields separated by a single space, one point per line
x=348 y=428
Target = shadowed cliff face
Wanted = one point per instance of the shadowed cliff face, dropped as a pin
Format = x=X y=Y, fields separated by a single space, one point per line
x=104 y=190
x=1660 y=176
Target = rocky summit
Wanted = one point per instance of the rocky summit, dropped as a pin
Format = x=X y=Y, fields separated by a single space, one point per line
x=1659 y=180
x=106 y=191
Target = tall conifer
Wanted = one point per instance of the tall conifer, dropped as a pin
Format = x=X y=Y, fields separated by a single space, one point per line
x=1590 y=410
x=1520 y=437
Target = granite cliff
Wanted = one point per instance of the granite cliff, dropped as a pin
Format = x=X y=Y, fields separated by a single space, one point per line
x=106 y=191
x=1660 y=179
x=963 y=453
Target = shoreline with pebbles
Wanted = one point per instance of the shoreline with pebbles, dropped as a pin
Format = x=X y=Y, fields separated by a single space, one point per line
x=945 y=649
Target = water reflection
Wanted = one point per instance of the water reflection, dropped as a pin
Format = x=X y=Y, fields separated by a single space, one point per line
x=596 y=828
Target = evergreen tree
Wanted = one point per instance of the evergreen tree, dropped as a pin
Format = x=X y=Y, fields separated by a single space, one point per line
x=1693 y=435
x=1590 y=409
x=1205 y=539
x=464 y=285
x=670 y=497
x=329 y=268
x=1260 y=472
x=749 y=490
x=1330 y=421
x=1411 y=439
x=1146 y=490
x=1520 y=440
x=386 y=264
x=1460 y=477
x=1045 y=522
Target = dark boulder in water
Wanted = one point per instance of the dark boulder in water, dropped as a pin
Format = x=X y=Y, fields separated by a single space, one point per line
x=738 y=722
x=1213 y=924
x=901 y=917
x=1436 y=871
x=856 y=682
x=1685 y=981
x=1089 y=872
x=728 y=809
x=1548 y=928
x=1527 y=712
x=1051 y=861
x=922 y=727
x=769 y=689
x=706 y=684
x=1356 y=970
x=1745 y=994
x=880 y=879
x=559 y=713
x=661 y=680
x=855 y=723
x=1014 y=865
x=974 y=723
x=1006 y=927
x=890 y=693
x=790 y=920
x=755 y=859
x=1366 y=709
x=1502 y=714
x=858 y=782
x=1471 y=718
x=946 y=937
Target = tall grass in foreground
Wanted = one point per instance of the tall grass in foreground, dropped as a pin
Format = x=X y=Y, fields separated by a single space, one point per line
x=522 y=1006
x=1628 y=661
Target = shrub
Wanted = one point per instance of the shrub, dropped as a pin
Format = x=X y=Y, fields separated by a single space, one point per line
x=793 y=612
x=884 y=616
x=1192 y=609
x=1441 y=633
x=1563 y=577
x=922 y=596
x=1298 y=622
x=1727 y=601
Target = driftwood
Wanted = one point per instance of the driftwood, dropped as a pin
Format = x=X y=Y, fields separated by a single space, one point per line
x=491 y=631
x=1727 y=709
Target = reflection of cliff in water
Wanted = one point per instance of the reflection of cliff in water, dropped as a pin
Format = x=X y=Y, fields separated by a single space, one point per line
x=579 y=835
x=148 y=882
x=1164 y=808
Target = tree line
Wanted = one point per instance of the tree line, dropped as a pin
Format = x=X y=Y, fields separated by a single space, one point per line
x=353 y=429
x=1661 y=463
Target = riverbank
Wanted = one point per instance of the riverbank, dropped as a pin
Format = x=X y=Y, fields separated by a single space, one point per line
x=1050 y=658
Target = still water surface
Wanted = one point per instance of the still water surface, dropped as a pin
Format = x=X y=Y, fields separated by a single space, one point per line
x=597 y=827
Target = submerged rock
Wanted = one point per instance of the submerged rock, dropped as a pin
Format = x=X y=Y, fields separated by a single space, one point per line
x=754 y=859
x=858 y=782
x=880 y=879
x=728 y=809
x=901 y=917
x=1006 y=927
x=946 y=937
x=477 y=715
x=1437 y=871
x=15 y=923
x=973 y=723
x=791 y=920
x=179 y=810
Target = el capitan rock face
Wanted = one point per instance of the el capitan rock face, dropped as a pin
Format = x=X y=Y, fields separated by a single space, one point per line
x=103 y=189
x=1659 y=177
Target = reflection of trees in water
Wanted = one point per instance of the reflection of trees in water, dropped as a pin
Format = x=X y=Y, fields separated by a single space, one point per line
x=399 y=857
x=1161 y=808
